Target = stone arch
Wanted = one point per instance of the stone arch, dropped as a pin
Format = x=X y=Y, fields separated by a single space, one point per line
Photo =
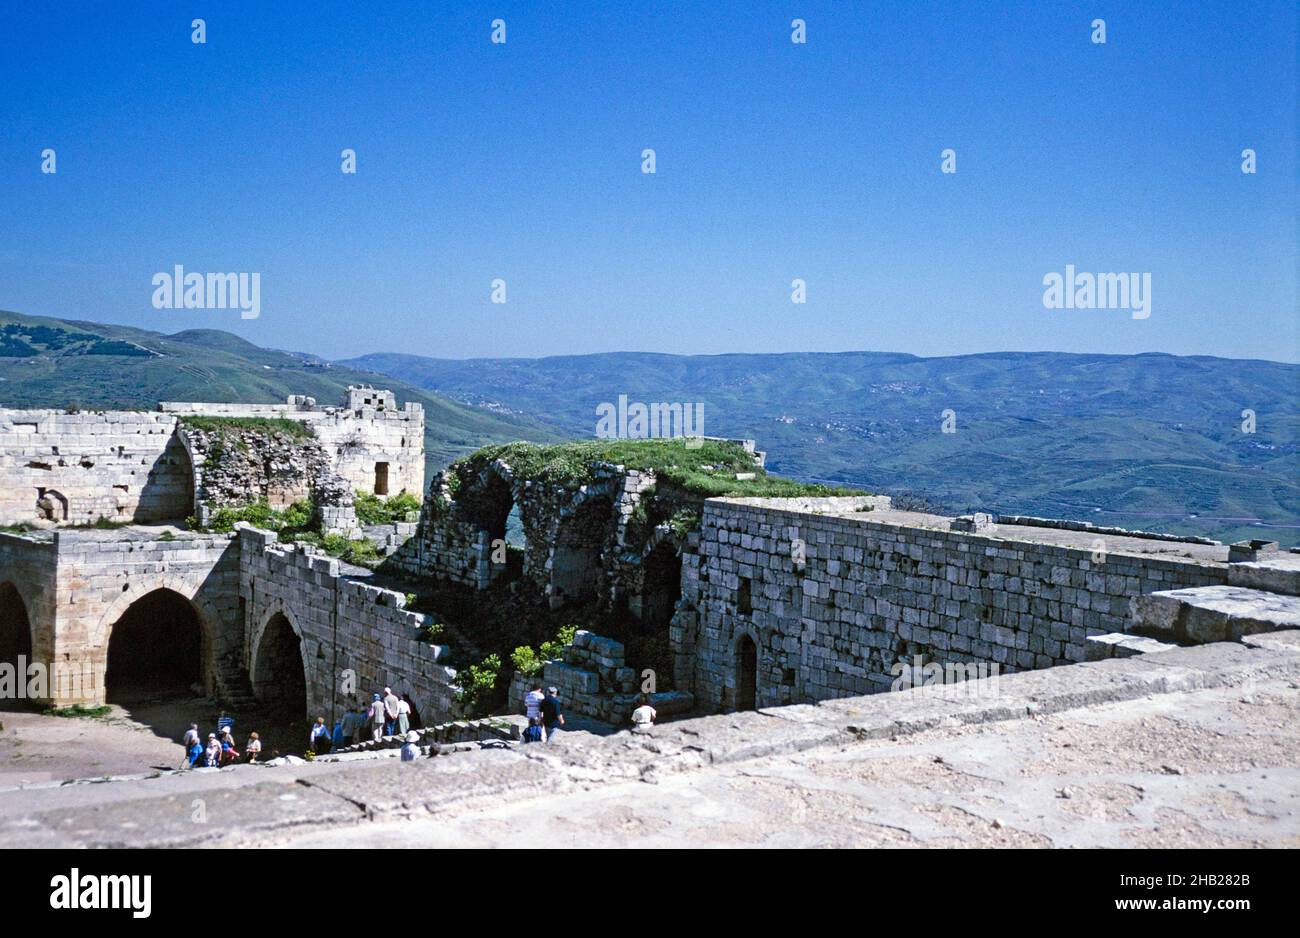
x=15 y=624
x=159 y=644
x=580 y=535
x=277 y=666
x=745 y=653
x=206 y=616
x=661 y=583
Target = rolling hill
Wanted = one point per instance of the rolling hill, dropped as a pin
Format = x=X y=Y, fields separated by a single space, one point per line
x=1147 y=441
x=64 y=363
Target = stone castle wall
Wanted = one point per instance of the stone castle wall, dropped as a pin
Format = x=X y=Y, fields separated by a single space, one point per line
x=76 y=585
x=355 y=638
x=77 y=468
x=869 y=593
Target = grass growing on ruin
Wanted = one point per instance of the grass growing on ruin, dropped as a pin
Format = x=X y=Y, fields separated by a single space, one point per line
x=708 y=470
x=371 y=509
x=222 y=426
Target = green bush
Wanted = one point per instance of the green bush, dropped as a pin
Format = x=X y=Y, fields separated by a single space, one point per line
x=371 y=509
x=478 y=687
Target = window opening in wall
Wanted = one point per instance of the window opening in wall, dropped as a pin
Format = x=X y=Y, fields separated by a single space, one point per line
x=381 y=478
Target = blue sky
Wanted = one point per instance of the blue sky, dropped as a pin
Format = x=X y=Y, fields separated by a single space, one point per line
x=775 y=161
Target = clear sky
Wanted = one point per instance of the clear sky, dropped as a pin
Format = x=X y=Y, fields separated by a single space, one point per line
x=775 y=161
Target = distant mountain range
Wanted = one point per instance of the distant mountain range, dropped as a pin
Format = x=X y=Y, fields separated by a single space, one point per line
x=1140 y=441
x=64 y=363
x=1151 y=441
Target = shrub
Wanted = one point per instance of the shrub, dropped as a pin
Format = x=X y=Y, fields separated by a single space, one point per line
x=371 y=509
x=478 y=685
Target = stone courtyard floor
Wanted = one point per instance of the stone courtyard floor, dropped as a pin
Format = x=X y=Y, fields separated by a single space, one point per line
x=1194 y=747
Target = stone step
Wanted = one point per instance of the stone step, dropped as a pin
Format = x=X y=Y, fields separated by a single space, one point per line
x=1121 y=645
x=1205 y=614
x=1279 y=574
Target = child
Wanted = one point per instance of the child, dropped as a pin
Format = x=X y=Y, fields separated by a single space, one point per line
x=534 y=732
x=212 y=755
x=254 y=748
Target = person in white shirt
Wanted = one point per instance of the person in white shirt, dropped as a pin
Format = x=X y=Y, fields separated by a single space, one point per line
x=254 y=747
x=377 y=717
x=533 y=702
x=643 y=717
x=403 y=717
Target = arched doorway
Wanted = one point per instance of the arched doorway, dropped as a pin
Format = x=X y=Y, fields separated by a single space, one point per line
x=279 y=678
x=661 y=586
x=746 y=674
x=155 y=650
x=15 y=634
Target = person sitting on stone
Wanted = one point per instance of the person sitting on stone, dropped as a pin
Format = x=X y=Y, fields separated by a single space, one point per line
x=212 y=754
x=319 y=742
x=411 y=748
x=643 y=717
x=534 y=732
x=229 y=754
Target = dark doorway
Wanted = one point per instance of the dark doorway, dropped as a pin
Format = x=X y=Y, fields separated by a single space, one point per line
x=155 y=650
x=381 y=478
x=661 y=587
x=279 y=680
x=15 y=639
x=746 y=674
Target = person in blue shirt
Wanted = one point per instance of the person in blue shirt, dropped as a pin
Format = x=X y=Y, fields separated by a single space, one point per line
x=534 y=732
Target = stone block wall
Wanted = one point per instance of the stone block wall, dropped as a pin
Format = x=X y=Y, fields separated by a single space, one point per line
x=98 y=575
x=869 y=593
x=76 y=468
x=355 y=638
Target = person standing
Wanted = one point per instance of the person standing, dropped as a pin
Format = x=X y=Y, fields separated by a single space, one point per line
x=552 y=713
x=350 y=716
x=390 y=712
x=403 y=716
x=533 y=702
x=377 y=717
x=416 y=722
x=191 y=737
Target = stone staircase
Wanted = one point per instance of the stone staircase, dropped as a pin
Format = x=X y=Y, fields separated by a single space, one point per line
x=1262 y=595
x=487 y=729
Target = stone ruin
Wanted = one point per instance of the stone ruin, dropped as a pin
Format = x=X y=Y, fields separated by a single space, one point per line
x=759 y=602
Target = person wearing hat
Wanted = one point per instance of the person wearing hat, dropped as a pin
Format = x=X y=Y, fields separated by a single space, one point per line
x=377 y=716
x=552 y=713
x=229 y=754
x=212 y=755
x=411 y=748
